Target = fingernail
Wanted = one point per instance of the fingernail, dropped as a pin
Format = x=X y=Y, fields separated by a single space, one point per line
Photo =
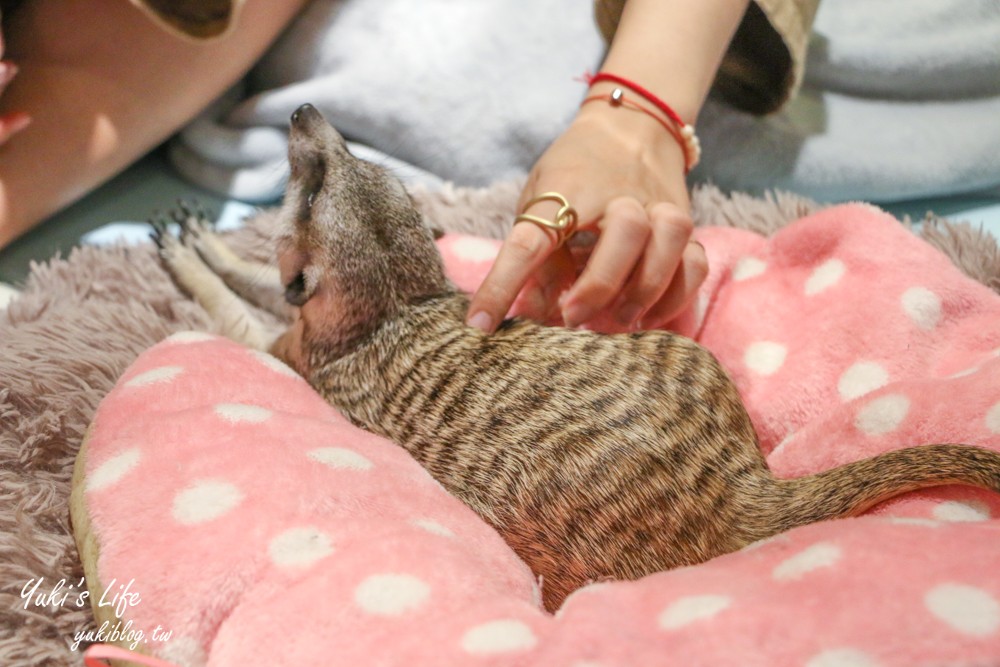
x=628 y=313
x=480 y=320
x=575 y=314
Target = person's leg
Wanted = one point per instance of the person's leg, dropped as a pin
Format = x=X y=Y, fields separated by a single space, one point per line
x=103 y=85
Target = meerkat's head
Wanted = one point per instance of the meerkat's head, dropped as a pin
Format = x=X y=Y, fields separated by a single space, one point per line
x=354 y=249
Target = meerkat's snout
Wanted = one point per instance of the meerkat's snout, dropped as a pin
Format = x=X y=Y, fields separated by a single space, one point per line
x=309 y=133
x=311 y=143
x=306 y=118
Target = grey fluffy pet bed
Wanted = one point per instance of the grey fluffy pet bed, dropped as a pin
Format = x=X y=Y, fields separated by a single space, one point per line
x=82 y=320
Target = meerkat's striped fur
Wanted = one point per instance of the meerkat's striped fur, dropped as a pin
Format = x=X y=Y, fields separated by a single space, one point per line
x=595 y=456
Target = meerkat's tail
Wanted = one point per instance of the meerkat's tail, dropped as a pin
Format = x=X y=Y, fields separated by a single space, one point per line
x=853 y=488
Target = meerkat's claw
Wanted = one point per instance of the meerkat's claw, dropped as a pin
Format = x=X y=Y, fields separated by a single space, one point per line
x=180 y=259
x=194 y=209
x=193 y=220
x=199 y=226
x=161 y=229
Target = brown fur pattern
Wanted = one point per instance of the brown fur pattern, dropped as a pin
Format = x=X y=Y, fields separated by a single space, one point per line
x=595 y=456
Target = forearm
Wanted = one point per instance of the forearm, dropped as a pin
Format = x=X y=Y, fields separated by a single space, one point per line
x=103 y=92
x=674 y=47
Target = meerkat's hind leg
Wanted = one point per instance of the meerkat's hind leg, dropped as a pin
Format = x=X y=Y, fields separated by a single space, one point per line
x=256 y=282
x=193 y=275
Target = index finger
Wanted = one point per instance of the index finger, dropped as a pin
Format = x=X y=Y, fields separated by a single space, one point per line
x=526 y=248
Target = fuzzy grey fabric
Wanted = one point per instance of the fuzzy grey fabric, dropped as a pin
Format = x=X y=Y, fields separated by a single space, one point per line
x=82 y=320
x=901 y=98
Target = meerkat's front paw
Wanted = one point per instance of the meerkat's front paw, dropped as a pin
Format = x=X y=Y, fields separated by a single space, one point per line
x=198 y=232
x=180 y=258
x=194 y=223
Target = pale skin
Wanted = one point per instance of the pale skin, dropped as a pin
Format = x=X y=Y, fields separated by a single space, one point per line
x=93 y=112
x=13 y=122
x=624 y=175
x=102 y=84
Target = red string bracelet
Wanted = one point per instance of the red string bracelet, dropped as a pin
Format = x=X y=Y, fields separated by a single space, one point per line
x=617 y=99
x=653 y=99
x=685 y=132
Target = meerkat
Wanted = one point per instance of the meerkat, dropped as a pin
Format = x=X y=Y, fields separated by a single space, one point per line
x=595 y=456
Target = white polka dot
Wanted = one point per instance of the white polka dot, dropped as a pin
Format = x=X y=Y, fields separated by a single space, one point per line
x=965 y=373
x=274 y=363
x=842 y=657
x=113 y=469
x=860 y=379
x=583 y=591
x=765 y=357
x=748 y=267
x=825 y=275
x=162 y=374
x=993 y=419
x=922 y=306
x=391 y=594
x=205 y=500
x=189 y=337
x=503 y=636
x=239 y=412
x=961 y=511
x=182 y=651
x=471 y=249
x=434 y=527
x=967 y=609
x=298 y=547
x=815 y=557
x=913 y=521
x=687 y=610
x=337 y=457
x=790 y=437
x=882 y=415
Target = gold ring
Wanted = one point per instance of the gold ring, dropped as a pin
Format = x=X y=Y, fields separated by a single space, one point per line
x=564 y=224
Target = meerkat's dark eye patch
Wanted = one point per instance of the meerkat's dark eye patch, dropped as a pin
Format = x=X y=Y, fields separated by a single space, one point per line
x=310 y=174
x=295 y=291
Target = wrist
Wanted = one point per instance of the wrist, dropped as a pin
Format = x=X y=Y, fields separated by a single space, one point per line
x=639 y=140
x=652 y=106
x=639 y=122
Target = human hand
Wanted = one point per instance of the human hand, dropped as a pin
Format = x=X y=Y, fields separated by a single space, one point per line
x=10 y=123
x=624 y=175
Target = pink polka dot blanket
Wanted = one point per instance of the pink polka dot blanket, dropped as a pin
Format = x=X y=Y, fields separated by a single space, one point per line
x=228 y=516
